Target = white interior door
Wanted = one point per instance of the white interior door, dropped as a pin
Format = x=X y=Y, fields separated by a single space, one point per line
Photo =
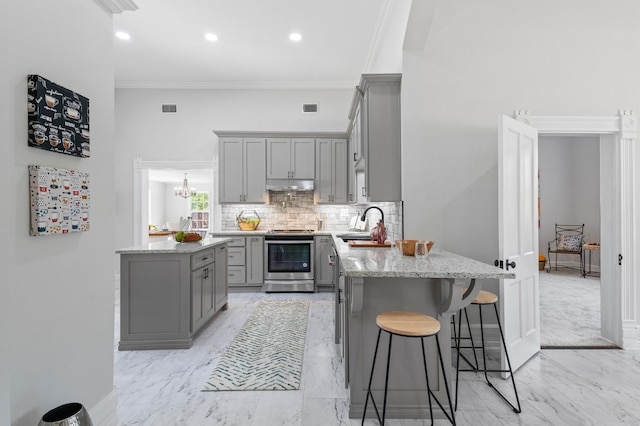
x=518 y=239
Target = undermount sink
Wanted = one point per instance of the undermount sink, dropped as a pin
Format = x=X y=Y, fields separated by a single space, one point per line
x=350 y=236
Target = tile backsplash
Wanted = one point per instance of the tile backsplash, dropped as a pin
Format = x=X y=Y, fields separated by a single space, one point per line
x=296 y=210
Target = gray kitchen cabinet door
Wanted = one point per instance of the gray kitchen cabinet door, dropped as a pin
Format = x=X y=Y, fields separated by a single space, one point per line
x=231 y=170
x=202 y=303
x=278 y=158
x=242 y=170
x=290 y=158
x=331 y=168
x=255 y=260
x=324 y=179
x=339 y=171
x=254 y=170
x=302 y=158
x=220 y=285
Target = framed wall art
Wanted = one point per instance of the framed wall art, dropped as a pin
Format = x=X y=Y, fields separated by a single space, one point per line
x=58 y=118
x=59 y=200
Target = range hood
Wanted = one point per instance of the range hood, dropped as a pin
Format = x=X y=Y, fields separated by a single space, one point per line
x=289 y=185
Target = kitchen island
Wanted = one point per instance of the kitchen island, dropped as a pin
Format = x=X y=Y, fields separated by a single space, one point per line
x=376 y=280
x=169 y=291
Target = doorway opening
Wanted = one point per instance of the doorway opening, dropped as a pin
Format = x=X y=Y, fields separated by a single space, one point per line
x=569 y=193
x=617 y=136
x=155 y=203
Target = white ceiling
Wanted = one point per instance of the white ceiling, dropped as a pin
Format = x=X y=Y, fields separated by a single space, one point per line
x=167 y=48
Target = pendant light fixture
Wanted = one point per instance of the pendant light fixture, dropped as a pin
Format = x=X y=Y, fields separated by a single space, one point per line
x=184 y=191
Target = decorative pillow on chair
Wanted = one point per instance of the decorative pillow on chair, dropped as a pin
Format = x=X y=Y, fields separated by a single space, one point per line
x=569 y=242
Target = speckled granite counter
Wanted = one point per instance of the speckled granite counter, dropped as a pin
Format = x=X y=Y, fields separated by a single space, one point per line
x=388 y=263
x=170 y=246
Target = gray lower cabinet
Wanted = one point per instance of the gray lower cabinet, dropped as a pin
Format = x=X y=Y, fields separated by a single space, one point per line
x=245 y=261
x=220 y=283
x=324 y=273
x=166 y=298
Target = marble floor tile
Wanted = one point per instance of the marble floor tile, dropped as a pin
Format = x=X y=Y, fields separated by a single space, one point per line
x=556 y=387
x=569 y=309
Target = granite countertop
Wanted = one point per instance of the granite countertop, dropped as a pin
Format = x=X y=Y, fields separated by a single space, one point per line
x=170 y=246
x=381 y=262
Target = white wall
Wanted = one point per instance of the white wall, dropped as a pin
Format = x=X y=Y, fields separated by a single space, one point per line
x=485 y=59
x=7 y=234
x=569 y=188
x=57 y=291
x=157 y=214
x=143 y=131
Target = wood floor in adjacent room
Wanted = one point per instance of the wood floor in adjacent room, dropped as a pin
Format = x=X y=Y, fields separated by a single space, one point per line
x=556 y=387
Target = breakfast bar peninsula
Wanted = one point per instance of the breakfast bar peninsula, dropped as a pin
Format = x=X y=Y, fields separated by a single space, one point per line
x=377 y=280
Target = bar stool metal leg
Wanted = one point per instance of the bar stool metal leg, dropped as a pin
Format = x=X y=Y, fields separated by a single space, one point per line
x=373 y=366
x=426 y=374
x=484 y=361
x=452 y=419
x=485 y=298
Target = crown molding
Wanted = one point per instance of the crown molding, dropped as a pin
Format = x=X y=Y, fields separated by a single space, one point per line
x=234 y=85
x=378 y=36
x=118 y=6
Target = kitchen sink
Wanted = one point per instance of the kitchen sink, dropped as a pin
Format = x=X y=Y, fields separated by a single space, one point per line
x=350 y=236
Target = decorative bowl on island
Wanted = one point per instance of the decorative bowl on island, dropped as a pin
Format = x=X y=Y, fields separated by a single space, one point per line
x=408 y=247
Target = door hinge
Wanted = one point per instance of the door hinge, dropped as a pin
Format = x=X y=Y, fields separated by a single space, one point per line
x=620 y=259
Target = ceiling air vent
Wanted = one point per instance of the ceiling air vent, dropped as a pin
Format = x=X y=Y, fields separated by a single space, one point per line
x=169 y=108
x=309 y=107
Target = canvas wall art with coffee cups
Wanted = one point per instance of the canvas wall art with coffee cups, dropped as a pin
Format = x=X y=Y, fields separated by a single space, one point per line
x=58 y=118
x=59 y=201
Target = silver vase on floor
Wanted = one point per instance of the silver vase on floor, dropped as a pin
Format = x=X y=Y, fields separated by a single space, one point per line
x=72 y=414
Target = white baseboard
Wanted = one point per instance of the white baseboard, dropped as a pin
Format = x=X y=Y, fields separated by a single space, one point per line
x=105 y=412
x=630 y=335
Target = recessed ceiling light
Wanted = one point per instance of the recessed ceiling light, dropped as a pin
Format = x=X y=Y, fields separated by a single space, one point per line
x=122 y=35
x=211 y=37
x=295 y=36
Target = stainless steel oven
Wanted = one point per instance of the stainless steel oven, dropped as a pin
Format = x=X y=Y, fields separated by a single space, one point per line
x=288 y=260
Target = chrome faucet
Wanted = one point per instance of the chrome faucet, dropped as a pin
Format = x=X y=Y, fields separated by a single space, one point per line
x=364 y=215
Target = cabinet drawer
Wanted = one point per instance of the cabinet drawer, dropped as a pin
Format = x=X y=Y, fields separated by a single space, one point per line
x=236 y=255
x=237 y=242
x=236 y=275
x=201 y=258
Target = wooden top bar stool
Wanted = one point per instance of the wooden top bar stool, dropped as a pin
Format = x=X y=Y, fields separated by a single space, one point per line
x=408 y=324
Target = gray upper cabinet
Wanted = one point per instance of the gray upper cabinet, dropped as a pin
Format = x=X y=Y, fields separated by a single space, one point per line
x=242 y=170
x=290 y=158
x=331 y=171
x=377 y=106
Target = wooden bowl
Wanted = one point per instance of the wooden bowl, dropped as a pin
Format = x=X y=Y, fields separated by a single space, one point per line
x=408 y=247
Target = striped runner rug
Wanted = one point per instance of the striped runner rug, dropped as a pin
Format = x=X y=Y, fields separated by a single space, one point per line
x=267 y=352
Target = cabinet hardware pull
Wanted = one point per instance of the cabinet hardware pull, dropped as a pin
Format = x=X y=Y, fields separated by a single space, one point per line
x=512 y=264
